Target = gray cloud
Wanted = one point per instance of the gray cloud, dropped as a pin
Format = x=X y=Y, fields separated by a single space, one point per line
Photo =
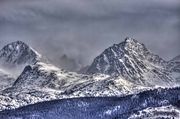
x=84 y=28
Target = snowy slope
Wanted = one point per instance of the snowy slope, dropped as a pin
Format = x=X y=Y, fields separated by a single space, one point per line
x=43 y=75
x=104 y=108
x=133 y=61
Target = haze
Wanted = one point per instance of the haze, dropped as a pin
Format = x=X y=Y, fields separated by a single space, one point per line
x=82 y=29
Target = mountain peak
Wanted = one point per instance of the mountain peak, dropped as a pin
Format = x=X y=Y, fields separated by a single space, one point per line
x=131 y=44
x=18 y=52
x=16 y=46
x=130 y=40
x=129 y=59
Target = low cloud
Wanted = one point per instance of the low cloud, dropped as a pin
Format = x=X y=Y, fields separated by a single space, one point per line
x=82 y=29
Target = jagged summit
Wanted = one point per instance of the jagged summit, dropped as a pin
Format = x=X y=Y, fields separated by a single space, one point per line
x=130 y=59
x=130 y=40
x=133 y=45
x=18 y=53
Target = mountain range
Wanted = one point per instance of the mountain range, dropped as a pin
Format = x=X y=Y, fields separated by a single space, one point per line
x=124 y=69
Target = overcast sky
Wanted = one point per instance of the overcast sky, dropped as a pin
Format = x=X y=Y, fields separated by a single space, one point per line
x=84 y=28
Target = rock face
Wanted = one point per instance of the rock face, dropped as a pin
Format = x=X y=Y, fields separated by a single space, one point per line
x=133 y=61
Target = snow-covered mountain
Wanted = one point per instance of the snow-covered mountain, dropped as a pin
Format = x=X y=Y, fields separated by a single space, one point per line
x=42 y=82
x=16 y=55
x=123 y=69
x=13 y=58
x=133 y=61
